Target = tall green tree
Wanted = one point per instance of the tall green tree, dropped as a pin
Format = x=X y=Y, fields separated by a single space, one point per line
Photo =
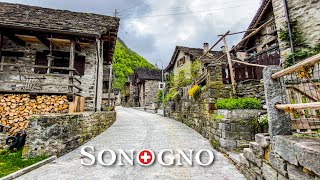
x=124 y=63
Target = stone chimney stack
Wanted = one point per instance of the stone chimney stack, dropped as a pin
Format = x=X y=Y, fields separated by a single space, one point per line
x=223 y=48
x=205 y=47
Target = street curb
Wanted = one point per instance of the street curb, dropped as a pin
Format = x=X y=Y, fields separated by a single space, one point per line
x=29 y=168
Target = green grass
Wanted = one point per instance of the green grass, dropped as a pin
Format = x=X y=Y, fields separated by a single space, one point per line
x=240 y=103
x=12 y=161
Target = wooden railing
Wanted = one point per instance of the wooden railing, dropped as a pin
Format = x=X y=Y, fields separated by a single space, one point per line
x=243 y=72
x=303 y=92
x=34 y=82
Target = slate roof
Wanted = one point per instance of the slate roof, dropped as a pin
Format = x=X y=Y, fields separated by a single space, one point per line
x=195 y=53
x=141 y=74
x=32 y=17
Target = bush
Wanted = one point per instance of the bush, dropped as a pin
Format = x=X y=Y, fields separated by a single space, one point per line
x=240 y=103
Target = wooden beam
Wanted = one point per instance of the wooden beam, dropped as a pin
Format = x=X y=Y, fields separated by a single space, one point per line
x=230 y=66
x=249 y=64
x=44 y=40
x=110 y=84
x=311 y=61
x=238 y=32
x=71 y=64
x=214 y=45
x=1 y=59
x=15 y=39
x=302 y=106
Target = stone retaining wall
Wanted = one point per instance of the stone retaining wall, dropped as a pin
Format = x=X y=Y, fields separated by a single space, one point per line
x=226 y=129
x=287 y=157
x=59 y=134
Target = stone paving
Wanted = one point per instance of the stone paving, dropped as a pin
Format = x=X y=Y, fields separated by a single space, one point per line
x=138 y=130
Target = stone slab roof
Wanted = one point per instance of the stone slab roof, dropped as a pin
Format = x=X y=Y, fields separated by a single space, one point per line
x=147 y=74
x=196 y=53
x=25 y=16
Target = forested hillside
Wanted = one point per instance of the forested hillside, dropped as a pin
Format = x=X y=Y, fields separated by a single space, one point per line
x=124 y=63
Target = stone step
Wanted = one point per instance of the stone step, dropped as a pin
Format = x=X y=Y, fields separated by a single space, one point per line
x=234 y=157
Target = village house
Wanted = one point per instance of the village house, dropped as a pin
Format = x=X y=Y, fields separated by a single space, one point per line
x=147 y=84
x=52 y=60
x=128 y=99
x=183 y=57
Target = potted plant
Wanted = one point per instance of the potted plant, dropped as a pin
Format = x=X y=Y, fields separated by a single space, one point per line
x=263 y=123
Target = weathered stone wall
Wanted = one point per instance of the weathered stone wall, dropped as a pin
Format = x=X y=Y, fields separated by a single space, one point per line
x=252 y=89
x=2 y=141
x=186 y=66
x=306 y=13
x=227 y=129
x=59 y=134
x=152 y=89
x=87 y=81
x=287 y=158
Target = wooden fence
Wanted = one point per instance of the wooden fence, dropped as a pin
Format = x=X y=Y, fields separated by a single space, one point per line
x=301 y=82
x=244 y=72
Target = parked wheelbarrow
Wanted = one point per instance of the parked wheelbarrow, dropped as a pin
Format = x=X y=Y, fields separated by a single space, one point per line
x=14 y=142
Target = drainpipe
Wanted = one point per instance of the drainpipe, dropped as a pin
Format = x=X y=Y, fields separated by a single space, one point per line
x=289 y=28
x=97 y=75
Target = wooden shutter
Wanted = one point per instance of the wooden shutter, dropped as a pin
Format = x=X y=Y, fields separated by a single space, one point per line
x=79 y=64
x=41 y=60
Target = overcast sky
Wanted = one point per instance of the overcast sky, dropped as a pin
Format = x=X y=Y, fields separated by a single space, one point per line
x=153 y=28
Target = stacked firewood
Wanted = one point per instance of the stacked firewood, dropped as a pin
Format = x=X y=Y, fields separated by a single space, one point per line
x=16 y=109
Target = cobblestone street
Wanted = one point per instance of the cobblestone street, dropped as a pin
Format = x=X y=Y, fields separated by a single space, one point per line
x=137 y=130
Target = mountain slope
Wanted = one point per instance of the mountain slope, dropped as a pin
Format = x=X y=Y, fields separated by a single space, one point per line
x=124 y=63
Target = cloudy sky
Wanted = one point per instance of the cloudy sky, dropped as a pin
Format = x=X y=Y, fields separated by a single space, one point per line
x=153 y=28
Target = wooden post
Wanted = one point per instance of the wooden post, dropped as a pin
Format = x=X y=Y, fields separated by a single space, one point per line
x=71 y=65
x=1 y=59
x=110 y=85
x=230 y=66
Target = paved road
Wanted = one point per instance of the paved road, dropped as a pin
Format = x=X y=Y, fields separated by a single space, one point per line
x=138 y=130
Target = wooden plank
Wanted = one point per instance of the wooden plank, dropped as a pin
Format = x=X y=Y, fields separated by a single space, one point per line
x=44 y=40
x=308 y=62
x=36 y=66
x=302 y=106
x=249 y=64
x=71 y=64
x=1 y=59
x=216 y=43
x=230 y=66
x=304 y=124
x=15 y=39
x=81 y=104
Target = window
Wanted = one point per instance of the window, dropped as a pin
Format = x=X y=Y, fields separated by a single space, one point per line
x=61 y=59
x=105 y=86
x=181 y=61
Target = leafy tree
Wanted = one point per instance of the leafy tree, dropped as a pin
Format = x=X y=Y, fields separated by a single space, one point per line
x=124 y=63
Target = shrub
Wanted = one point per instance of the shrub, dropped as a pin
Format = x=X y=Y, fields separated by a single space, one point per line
x=194 y=91
x=240 y=103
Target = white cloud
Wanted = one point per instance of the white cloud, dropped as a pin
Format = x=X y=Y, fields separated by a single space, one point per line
x=156 y=37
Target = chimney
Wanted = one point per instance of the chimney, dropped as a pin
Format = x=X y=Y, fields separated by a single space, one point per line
x=223 y=48
x=205 y=47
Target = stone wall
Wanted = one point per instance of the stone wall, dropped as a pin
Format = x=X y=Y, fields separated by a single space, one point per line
x=306 y=13
x=287 y=157
x=151 y=92
x=87 y=80
x=2 y=141
x=59 y=134
x=251 y=88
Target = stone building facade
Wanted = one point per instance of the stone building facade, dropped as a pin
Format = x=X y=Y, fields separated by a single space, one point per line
x=37 y=45
x=147 y=83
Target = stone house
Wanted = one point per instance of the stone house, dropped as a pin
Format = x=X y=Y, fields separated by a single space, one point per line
x=147 y=86
x=266 y=38
x=304 y=13
x=183 y=57
x=130 y=96
x=55 y=52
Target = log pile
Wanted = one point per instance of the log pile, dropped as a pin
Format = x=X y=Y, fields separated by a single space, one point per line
x=16 y=109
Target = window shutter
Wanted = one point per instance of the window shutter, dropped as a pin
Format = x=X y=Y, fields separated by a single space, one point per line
x=79 y=64
x=41 y=60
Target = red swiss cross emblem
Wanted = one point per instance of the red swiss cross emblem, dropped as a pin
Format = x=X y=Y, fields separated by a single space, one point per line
x=145 y=157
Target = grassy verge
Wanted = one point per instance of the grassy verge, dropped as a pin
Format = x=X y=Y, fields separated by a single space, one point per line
x=12 y=161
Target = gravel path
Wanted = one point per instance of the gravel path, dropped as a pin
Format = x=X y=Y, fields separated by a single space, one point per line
x=137 y=130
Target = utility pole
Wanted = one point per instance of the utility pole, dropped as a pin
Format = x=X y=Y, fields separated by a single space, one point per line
x=116 y=13
x=164 y=111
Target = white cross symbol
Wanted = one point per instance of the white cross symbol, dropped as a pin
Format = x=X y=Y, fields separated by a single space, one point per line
x=145 y=157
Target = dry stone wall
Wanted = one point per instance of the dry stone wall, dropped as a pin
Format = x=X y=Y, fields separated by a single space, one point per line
x=286 y=157
x=59 y=134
